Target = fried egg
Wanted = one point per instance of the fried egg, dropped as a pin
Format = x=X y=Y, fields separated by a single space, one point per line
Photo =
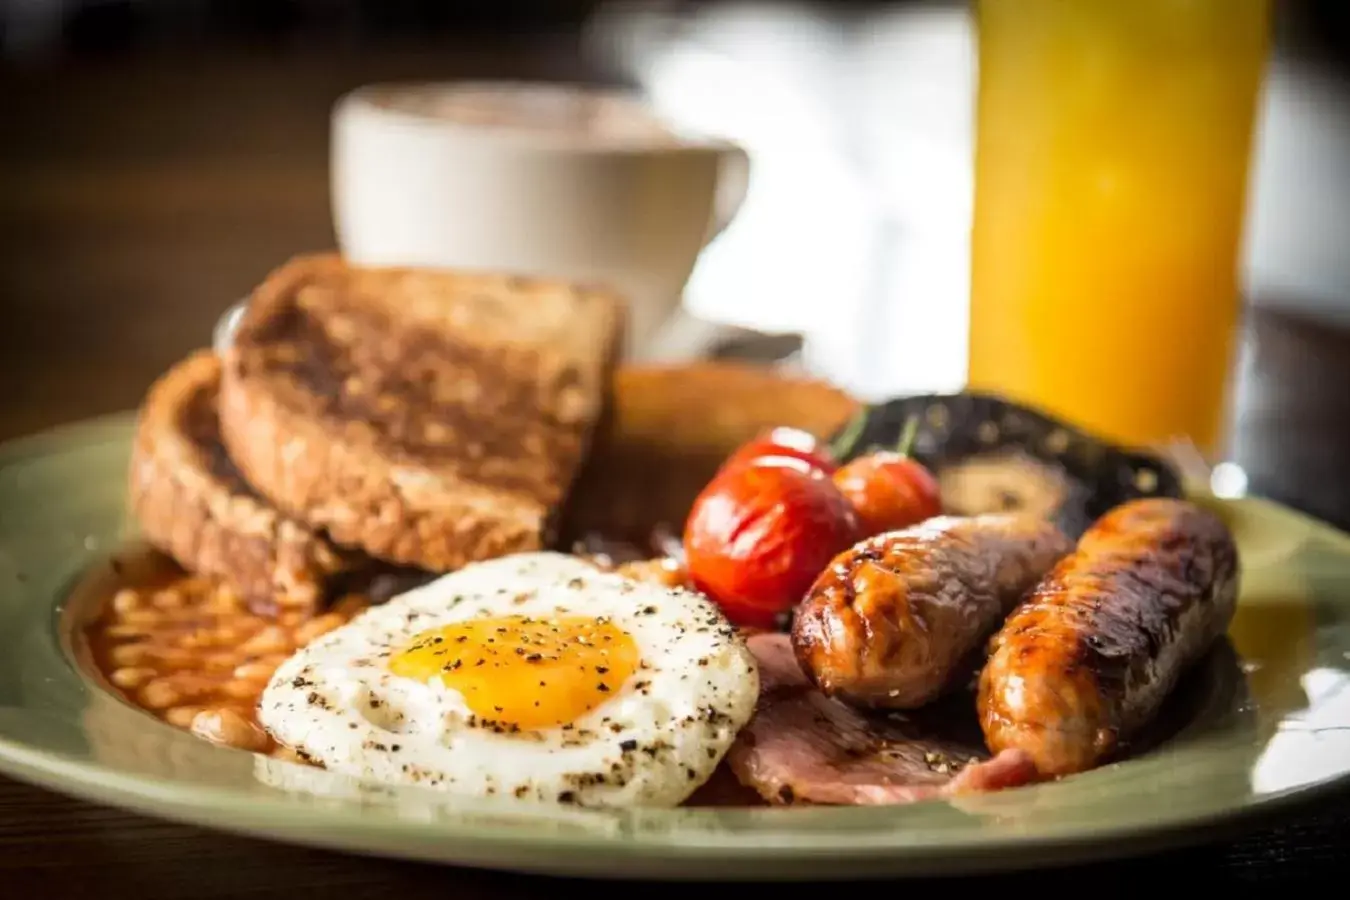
x=531 y=676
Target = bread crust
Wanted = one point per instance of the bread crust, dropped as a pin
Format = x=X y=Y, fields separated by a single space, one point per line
x=193 y=505
x=417 y=415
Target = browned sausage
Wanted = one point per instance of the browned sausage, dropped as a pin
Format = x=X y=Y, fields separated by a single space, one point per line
x=1092 y=654
x=892 y=622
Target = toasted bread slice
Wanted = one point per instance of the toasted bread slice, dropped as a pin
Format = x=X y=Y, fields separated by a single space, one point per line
x=193 y=505
x=430 y=418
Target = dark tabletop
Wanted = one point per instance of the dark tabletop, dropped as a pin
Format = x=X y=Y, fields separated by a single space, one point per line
x=145 y=197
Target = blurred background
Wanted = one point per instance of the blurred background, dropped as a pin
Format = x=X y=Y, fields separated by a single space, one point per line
x=160 y=156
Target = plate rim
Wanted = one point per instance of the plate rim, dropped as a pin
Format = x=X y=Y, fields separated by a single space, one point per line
x=727 y=862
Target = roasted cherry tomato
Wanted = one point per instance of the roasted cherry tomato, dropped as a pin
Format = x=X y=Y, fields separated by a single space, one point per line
x=759 y=534
x=788 y=442
x=889 y=489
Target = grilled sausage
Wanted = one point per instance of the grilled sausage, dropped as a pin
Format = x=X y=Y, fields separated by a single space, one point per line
x=1090 y=657
x=892 y=622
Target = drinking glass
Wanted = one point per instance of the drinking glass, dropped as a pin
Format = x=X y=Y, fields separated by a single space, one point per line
x=1111 y=167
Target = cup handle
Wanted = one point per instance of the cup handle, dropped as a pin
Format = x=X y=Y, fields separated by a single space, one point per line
x=733 y=183
x=682 y=336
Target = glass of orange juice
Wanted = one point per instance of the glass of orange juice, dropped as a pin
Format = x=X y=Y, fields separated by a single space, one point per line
x=1112 y=148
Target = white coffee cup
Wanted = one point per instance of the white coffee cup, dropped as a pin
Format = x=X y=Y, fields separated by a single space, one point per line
x=554 y=180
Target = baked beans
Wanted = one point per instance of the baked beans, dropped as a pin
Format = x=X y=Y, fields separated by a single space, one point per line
x=190 y=652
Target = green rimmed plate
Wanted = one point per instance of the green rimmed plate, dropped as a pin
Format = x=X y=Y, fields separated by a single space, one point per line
x=1268 y=724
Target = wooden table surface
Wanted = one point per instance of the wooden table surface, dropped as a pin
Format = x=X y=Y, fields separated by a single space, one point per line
x=142 y=199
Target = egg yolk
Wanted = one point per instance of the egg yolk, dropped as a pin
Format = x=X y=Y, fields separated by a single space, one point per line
x=522 y=672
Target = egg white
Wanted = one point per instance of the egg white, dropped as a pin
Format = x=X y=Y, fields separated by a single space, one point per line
x=652 y=743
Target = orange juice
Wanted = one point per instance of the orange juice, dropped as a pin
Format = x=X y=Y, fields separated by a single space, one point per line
x=1112 y=148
